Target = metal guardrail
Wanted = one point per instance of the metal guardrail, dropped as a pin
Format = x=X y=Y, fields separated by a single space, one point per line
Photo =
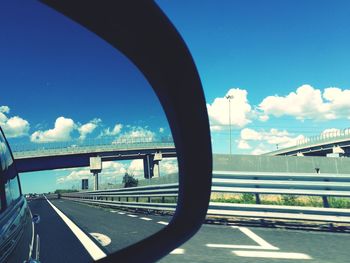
x=324 y=185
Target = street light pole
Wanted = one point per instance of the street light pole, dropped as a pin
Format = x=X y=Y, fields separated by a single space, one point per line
x=229 y=97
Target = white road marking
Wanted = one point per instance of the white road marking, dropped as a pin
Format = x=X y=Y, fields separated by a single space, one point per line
x=146 y=218
x=102 y=239
x=113 y=211
x=268 y=254
x=239 y=246
x=132 y=215
x=31 y=245
x=178 y=251
x=264 y=244
x=121 y=213
x=95 y=252
x=261 y=242
x=163 y=223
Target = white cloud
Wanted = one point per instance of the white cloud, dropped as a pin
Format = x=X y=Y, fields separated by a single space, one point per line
x=88 y=128
x=260 y=150
x=250 y=134
x=4 y=109
x=161 y=130
x=242 y=144
x=75 y=175
x=137 y=133
x=241 y=111
x=308 y=103
x=61 y=132
x=114 y=171
x=115 y=131
x=136 y=168
x=14 y=126
x=168 y=166
x=110 y=170
x=268 y=140
x=263 y=118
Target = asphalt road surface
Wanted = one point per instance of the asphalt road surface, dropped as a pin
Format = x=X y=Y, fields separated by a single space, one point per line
x=106 y=230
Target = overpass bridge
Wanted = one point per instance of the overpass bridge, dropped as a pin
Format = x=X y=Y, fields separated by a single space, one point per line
x=75 y=153
x=335 y=143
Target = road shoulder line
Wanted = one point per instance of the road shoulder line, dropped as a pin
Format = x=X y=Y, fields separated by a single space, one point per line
x=95 y=252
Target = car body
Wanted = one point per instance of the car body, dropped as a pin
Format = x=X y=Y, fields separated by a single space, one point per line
x=16 y=226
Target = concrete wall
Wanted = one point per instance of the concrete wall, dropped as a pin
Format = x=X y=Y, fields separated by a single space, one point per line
x=291 y=164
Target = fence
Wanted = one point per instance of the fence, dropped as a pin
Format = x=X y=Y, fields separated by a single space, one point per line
x=163 y=197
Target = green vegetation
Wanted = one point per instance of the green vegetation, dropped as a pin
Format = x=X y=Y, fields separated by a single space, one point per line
x=129 y=180
x=337 y=202
x=248 y=198
x=287 y=200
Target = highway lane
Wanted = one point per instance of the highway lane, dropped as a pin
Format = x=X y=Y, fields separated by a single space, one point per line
x=57 y=242
x=123 y=228
x=213 y=243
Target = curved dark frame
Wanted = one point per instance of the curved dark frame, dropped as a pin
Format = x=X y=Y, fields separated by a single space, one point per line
x=141 y=31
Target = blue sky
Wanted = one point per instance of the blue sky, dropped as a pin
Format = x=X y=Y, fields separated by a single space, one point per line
x=286 y=64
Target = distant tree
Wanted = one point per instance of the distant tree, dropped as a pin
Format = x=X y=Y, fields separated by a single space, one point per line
x=129 y=180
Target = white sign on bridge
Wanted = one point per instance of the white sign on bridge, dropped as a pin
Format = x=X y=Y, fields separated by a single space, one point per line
x=95 y=164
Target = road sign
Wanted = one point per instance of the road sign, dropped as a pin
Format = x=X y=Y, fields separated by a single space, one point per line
x=84 y=184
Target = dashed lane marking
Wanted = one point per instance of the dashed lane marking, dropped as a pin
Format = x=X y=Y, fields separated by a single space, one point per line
x=132 y=215
x=178 y=251
x=146 y=218
x=163 y=223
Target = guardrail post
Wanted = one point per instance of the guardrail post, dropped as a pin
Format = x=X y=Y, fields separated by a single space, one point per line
x=325 y=201
x=257 y=199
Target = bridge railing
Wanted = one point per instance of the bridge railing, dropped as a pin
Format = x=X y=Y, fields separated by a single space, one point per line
x=89 y=145
x=324 y=138
x=163 y=197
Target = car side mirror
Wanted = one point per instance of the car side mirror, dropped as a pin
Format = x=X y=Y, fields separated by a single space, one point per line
x=142 y=32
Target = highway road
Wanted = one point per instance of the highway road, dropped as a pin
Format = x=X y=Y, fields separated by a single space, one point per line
x=74 y=232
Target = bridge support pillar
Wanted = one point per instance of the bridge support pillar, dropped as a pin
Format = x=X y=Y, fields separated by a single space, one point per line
x=148 y=166
x=96 y=181
x=156 y=169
